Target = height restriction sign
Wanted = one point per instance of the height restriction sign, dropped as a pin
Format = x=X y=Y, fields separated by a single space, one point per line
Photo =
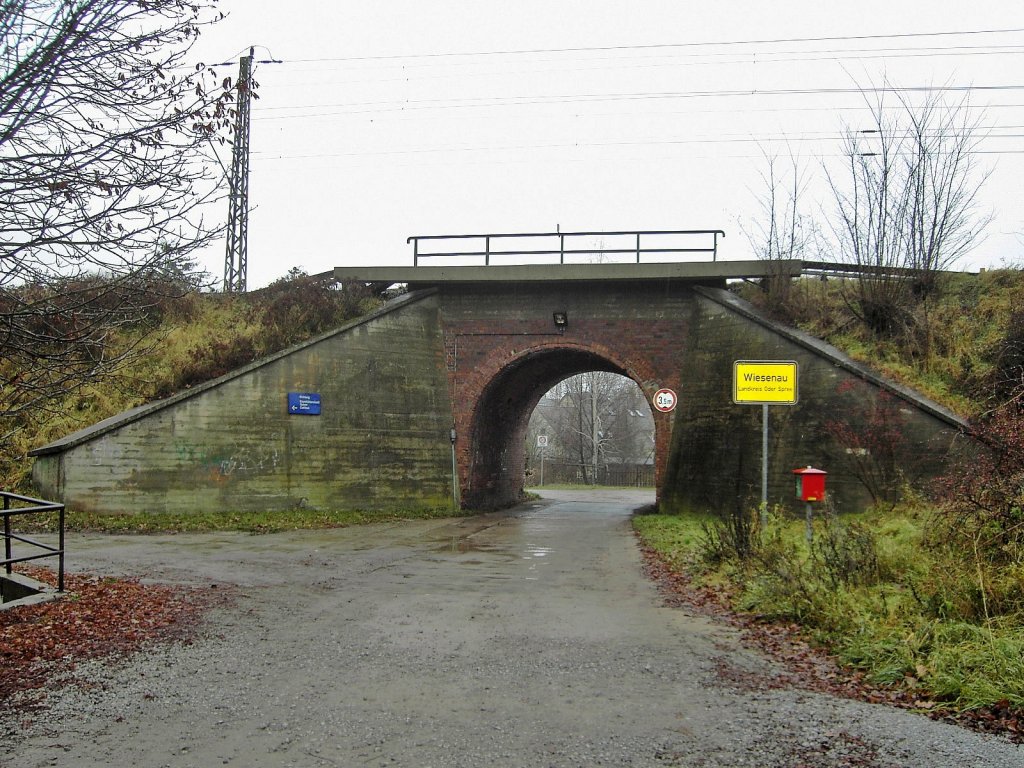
x=665 y=400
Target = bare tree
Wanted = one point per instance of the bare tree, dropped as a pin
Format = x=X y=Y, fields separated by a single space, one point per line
x=784 y=232
x=907 y=204
x=594 y=419
x=106 y=139
x=581 y=432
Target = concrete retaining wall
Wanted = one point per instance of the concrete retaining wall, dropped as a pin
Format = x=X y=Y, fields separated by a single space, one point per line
x=715 y=460
x=381 y=440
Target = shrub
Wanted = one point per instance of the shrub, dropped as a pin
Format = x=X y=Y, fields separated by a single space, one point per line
x=781 y=583
x=300 y=306
x=984 y=496
x=216 y=358
x=1007 y=382
x=734 y=537
x=871 y=442
x=848 y=554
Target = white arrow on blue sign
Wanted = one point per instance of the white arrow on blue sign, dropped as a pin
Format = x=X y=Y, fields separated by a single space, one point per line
x=304 y=403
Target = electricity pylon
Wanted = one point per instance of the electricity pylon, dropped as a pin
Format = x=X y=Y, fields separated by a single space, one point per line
x=236 y=256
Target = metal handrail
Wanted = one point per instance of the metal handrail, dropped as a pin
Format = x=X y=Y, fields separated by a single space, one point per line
x=37 y=506
x=561 y=251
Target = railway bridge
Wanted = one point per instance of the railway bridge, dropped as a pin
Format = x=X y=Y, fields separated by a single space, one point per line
x=426 y=401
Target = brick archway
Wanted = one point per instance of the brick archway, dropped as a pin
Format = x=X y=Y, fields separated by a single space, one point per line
x=494 y=405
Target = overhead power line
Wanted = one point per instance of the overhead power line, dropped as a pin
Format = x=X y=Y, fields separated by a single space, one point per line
x=661 y=46
x=833 y=137
x=617 y=64
x=689 y=50
x=468 y=102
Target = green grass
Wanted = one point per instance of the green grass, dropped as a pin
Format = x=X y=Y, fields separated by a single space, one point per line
x=904 y=610
x=205 y=522
x=975 y=666
x=676 y=538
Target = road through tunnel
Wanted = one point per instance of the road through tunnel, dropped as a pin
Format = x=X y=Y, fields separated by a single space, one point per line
x=495 y=473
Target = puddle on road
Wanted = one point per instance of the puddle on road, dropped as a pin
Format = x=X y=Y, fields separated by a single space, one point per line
x=492 y=543
x=494 y=563
x=492 y=552
x=464 y=545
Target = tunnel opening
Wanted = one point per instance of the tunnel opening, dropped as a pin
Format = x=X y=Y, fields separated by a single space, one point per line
x=591 y=429
x=498 y=461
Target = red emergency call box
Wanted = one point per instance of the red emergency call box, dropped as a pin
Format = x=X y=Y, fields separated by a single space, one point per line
x=810 y=484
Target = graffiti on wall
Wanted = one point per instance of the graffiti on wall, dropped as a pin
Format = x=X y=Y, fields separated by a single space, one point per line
x=105 y=452
x=222 y=463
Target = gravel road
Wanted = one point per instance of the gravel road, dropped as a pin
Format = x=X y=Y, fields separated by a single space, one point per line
x=523 y=638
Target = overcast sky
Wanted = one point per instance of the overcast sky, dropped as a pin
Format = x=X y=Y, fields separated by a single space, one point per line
x=393 y=118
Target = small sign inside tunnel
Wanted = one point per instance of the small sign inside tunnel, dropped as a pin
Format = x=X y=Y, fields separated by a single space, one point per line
x=304 y=403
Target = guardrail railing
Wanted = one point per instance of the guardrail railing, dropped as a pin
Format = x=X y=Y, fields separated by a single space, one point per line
x=35 y=506
x=636 y=243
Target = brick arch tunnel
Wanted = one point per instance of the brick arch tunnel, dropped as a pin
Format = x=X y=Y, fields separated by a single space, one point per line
x=497 y=449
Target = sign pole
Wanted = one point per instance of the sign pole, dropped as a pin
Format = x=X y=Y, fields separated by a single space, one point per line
x=764 y=466
x=542 y=443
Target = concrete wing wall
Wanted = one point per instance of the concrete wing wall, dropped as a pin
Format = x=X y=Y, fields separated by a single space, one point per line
x=381 y=440
x=865 y=432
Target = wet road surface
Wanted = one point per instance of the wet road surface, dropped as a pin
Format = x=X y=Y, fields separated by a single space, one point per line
x=523 y=638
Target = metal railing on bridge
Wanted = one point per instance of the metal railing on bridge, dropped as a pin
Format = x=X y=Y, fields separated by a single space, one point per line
x=577 y=247
x=35 y=506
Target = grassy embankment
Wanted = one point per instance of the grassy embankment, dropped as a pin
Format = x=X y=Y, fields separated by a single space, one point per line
x=196 y=338
x=919 y=594
x=877 y=592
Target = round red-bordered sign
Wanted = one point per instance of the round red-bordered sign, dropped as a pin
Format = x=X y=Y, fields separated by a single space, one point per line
x=665 y=400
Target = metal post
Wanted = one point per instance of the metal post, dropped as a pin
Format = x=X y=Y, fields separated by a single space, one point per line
x=415 y=251
x=455 y=473
x=595 y=457
x=542 y=466
x=637 y=247
x=764 y=466
x=561 y=248
x=487 y=250
x=809 y=528
x=7 y=533
x=60 y=555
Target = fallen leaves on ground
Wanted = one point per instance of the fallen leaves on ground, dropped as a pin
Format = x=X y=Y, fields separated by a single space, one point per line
x=97 y=617
x=810 y=667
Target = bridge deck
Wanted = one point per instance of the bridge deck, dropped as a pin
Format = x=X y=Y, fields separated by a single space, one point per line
x=697 y=272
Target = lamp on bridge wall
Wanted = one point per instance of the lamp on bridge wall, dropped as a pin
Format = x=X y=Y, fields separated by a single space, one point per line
x=561 y=321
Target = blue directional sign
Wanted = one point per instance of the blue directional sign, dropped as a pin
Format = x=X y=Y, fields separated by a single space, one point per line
x=304 y=403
